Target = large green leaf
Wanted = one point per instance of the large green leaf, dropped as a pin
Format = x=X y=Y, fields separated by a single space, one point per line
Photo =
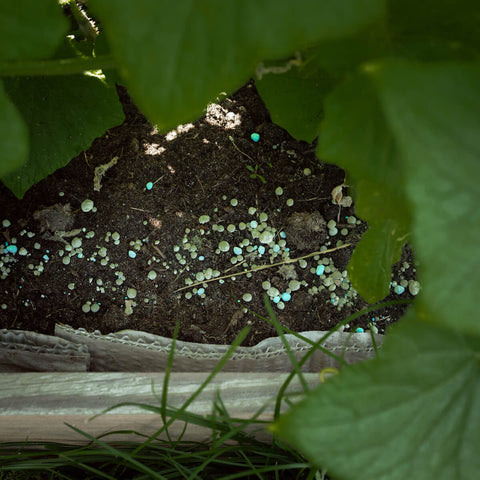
x=433 y=109
x=30 y=29
x=355 y=136
x=414 y=412
x=294 y=89
x=64 y=115
x=177 y=56
x=435 y=29
x=295 y=101
x=13 y=135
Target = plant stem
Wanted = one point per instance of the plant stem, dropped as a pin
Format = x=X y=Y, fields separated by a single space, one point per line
x=84 y=23
x=60 y=66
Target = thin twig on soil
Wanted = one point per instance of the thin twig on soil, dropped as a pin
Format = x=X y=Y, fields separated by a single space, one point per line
x=263 y=267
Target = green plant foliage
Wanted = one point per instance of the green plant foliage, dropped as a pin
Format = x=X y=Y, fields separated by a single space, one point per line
x=192 y=50
x=46 y=120
x=392 y=90
x=414 y=412
x=434 y=30
x=295 y=99
x=294 y=91
x=30 y=29
x=434 y=112
x=13 y=135
x=356 y=137
x=63 y=115
x=370 y=264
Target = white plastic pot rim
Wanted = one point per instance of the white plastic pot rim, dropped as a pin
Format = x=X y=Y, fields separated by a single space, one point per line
x=76 y=350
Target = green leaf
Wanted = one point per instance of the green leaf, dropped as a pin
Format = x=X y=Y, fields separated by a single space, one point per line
x=370 y=264
x=433 y=109
x=30 y=29
x=414 y=412
x=435 y=29
x=13 y=136
x=177 y=56
x=342 y=56
x=64 y=115
x=295 y=101
x=355 y=137
x=294 y=90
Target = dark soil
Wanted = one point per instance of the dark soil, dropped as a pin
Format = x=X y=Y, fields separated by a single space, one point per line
x=196 y=170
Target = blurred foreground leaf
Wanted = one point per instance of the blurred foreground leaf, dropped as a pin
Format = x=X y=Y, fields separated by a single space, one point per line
x=63 y=115
x=413 y=412
x=177 y=56
x=13 y=135
x=30 y=29
x=356 y=137
x=434 y=112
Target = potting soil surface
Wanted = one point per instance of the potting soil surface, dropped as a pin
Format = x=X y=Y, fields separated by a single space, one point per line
x=196 y=226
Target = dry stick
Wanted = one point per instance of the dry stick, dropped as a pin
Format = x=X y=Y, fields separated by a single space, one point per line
x=263 y=267
x=243 y=153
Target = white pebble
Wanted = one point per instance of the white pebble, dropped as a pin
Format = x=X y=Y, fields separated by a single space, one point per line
x=224 y=246
x=266 y=237
x=152 y=274
x=76 y=242
x=294 y=285
x=273 y=292
x=87 y=205
x=413 y=287
x=131 y=293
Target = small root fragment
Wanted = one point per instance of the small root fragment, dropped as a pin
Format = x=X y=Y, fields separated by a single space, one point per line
x=100 y=172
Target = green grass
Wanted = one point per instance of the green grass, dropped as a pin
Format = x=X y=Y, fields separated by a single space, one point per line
x=246 y=459
x=231 y=452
